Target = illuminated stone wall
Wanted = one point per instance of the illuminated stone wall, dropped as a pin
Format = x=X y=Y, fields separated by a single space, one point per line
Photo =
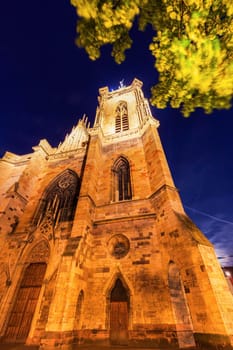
x=172 y=290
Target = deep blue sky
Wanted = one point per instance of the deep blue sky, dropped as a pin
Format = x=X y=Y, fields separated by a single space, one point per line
x=47 y=83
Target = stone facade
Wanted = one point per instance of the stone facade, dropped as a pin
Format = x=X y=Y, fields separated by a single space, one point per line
x=95 y=245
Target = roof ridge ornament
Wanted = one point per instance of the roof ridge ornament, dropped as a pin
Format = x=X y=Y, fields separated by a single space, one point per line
x=121 y=84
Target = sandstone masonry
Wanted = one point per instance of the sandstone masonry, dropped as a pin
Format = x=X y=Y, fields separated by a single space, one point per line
x=95 y=246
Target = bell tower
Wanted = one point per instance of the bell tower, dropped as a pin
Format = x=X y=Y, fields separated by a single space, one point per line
x=126 y=128
x=140 y=234
x=122 y=110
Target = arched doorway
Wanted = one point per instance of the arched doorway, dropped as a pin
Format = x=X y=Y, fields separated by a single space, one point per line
x=119 y=314
x=20 y=319
x=180 y=308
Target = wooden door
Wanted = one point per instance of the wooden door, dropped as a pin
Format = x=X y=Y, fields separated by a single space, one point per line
x=119 y=314
x=119 y=323
x=19 y=323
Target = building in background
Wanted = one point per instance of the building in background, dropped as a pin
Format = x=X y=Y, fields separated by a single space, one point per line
x=228 y=272
x=96 y=246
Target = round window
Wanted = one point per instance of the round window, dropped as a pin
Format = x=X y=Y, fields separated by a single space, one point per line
x=118 y=246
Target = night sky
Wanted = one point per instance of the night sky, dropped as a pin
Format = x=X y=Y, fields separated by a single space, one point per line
x=47 y=84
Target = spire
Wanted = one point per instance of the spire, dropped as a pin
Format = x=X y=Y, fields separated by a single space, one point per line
x=77 y=138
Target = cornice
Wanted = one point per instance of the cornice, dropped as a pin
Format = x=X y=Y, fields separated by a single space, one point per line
x=125 y=135
x=125 y=218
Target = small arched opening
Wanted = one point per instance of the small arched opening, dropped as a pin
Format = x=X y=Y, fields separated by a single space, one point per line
x=79 y=311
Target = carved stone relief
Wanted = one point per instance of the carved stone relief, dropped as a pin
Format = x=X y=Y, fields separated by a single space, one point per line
x=40 y=253
x=118 y=246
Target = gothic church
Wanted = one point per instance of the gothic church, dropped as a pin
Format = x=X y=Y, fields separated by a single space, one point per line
x=95 y=246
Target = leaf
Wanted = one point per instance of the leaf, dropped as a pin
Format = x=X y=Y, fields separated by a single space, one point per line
x=192 y=45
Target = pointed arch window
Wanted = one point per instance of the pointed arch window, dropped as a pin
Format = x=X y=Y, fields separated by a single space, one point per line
x=121 y=117
x=121 y=180
x=59 y=200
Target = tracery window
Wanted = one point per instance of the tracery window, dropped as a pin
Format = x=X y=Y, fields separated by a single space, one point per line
x=121 y=180
x=59 y=199
x=121 y=117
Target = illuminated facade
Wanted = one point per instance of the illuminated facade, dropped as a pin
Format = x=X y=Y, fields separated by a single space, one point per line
x=96 y=246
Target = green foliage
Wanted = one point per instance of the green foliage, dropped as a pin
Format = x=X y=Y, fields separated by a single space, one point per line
x=192 y=45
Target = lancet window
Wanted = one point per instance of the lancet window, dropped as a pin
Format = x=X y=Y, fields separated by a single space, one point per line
x=121 y=117
x=79 y=310
x=121 y=180
x=59 y=199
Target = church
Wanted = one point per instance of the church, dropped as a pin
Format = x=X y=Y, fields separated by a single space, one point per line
x=95 y=246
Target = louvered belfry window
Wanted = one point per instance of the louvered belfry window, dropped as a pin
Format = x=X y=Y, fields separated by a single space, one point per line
x=121 y=117
x=121 y=180
x=59 y=199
